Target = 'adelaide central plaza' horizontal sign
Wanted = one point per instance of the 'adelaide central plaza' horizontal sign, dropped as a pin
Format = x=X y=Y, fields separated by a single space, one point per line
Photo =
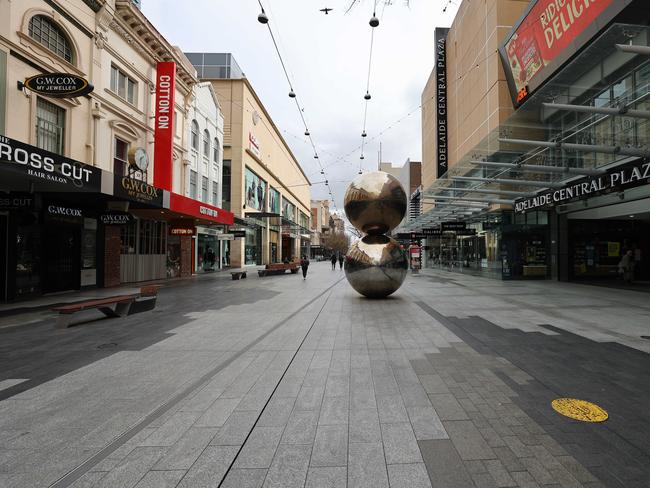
x=629 y=176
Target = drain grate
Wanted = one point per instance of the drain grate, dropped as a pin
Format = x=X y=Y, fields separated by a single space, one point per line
x=108 y=345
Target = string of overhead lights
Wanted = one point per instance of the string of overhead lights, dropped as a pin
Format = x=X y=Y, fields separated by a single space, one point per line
x=263 y=18
x=374 y=22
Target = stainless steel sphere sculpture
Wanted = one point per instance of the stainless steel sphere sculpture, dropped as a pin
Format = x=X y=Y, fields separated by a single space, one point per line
x=375 y=203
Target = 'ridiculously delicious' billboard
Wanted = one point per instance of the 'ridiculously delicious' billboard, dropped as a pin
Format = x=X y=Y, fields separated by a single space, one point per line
x=547 y=35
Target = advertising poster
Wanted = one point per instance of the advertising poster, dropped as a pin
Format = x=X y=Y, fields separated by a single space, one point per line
x=255 y=191
x=288 y=210
x=548 y=34
x=274 y=201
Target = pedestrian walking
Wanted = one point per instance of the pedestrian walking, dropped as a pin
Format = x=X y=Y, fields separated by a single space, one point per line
x=333 y=260
x=340 y=261
x=304 y=264
x=626 y=267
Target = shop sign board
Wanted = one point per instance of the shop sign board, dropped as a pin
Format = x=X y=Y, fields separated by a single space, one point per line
x=16 y=201
x=63 y=213
x=51 y=172
x=176 y=230
x=620 y=178
x=137 y=191
x=455 y=226
x=465 y=232
x=546 y=36
x=188 y=206
x=238 y=233
x=432 y=232
x=225 y=237
x=441 y=100
x=116 y=218
x=58 y=85
x=164 y=125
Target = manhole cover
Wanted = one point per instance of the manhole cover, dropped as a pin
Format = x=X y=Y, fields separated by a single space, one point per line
x=108 y=345
x=579 y=410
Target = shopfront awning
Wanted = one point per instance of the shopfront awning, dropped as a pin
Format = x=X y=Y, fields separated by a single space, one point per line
x=538 y=151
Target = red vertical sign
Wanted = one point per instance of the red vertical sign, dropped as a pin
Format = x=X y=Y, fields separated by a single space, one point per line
x=164 y=125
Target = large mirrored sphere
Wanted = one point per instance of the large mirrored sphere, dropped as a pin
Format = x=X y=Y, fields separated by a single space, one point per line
x=375 y=203
x=375 y=266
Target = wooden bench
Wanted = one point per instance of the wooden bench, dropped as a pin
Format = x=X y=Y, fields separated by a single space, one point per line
x=124 y=305
x=279 y=268
x=238 y=274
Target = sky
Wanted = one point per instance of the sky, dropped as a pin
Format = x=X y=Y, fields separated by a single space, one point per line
x=327 y=60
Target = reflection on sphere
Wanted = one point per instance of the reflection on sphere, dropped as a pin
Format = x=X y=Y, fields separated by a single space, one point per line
x=375 y=266
x=375 y=203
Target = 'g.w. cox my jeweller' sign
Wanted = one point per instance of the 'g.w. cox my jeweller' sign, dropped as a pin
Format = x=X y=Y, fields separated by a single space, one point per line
x=59 y=85
x=636 y=174
x=21 y=164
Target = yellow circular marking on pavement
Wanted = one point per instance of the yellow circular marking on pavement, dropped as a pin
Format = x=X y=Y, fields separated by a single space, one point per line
x=579 y=410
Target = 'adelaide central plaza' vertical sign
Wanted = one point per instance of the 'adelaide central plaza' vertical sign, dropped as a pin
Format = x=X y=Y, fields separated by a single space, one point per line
x=441 y=101
x=164 y=125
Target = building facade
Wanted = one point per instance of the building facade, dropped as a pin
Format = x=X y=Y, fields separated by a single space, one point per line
x=534 y=149
x=319 y=226
x=78 y=174
x=264 y=185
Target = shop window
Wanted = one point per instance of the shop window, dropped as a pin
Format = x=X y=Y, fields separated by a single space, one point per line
x=215 y=195
x=50 y=126
x=45 y=31
x=152 y=237
x=206 y=143
x=204 y=189
x=127 y=238
x=120 y=158
x=193 y=177
x=194 y=136
x=225 y=185
x=123 y=85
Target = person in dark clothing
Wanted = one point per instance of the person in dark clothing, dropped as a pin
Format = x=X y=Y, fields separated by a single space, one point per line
x=333 y=260
x=304 y=264
x=340 y=261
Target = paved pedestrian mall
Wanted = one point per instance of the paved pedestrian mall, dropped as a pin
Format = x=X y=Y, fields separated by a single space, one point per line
x=280 y=382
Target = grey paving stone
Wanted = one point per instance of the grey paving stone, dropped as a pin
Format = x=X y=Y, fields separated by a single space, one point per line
x=244 y=478
x=210 y=468
x=483 y=480
x=444 y=465
x=301 y=427
x=337 y=385
x=259 y=448
x=172 y=430
x=468 y=440
x=385 y=384
x=330 y=446
x=414 y=396
x=367 y=466
x=408 y=476
x=524 y=479
x=425 y=423
x=447 y=407
x=276 y=413
x=537 y=471
x=577 y=470
x=88 y=480
x=391 y=409
x=362 y=398
x=160 y=479
x=217 y=414
x=432 y=383
x=364 y=426
x=508 y=459
x=132 y=469
x=499 y=473
x=400 y=445
x=334 y=411
x=236 y=428
x=422 y=367
x=309 y=398
x=331 y=477
x=186 y=450
x=289 y=468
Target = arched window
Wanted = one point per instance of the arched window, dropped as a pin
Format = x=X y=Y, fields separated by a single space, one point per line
x=195 y=135
x=206 y=143
x=215 y=151
x=44 y=31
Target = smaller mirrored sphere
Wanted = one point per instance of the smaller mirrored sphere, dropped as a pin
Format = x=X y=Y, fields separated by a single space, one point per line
x=375 y=266
x=375 y=203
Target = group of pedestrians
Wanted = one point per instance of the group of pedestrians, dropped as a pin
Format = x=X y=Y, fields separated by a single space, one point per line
x=336 y=258
x=304 y=263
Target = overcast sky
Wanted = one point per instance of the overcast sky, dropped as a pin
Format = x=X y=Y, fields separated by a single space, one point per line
x=327 y=58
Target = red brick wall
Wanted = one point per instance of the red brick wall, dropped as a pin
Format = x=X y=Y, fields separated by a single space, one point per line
x=186 y=256
x=111 y=255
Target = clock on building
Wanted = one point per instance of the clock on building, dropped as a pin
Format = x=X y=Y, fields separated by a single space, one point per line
x=139 y=158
